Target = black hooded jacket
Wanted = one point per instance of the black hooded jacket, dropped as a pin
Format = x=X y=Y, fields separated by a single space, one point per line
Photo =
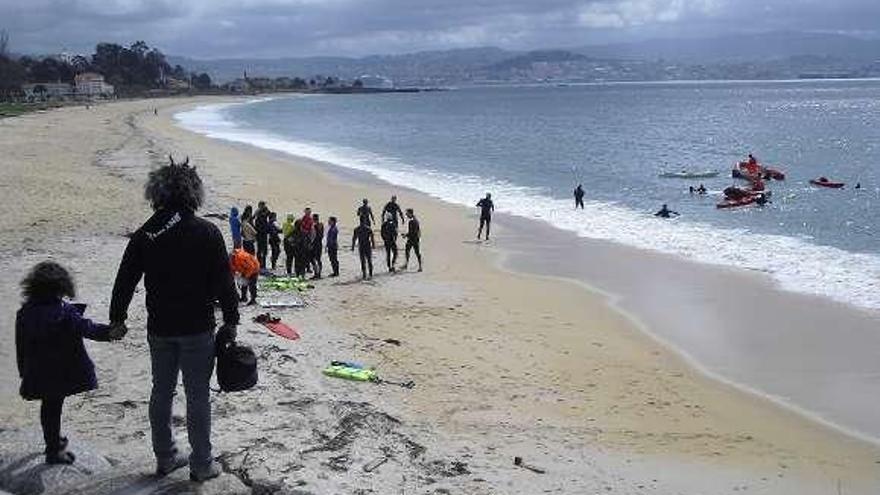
x=185 y=266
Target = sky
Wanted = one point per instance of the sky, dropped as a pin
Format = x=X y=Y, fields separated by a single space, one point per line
x=277 y=28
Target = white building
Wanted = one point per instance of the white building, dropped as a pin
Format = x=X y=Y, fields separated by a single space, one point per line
x=376 y=82
x=92 y=85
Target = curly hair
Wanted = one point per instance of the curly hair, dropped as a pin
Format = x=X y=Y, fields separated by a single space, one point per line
x=175 y=186
x=48 y=280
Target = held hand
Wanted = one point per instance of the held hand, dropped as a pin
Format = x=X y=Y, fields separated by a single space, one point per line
x=118 y=330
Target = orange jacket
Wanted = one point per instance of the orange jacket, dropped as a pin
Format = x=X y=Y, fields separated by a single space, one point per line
x=244 y=263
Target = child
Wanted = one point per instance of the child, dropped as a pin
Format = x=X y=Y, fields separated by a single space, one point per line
x=52 y=360
x=245 y=267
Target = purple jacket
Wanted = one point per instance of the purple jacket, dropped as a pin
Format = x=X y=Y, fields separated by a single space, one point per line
x=52 y=360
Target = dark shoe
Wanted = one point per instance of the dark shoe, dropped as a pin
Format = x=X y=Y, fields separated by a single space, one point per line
x=62 y=457
x=420 y=269
x=202 y=475
x=168 y=466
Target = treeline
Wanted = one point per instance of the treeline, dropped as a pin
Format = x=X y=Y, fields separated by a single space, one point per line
x=132 y=69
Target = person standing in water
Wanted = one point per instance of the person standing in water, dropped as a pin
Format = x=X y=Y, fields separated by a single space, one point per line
x=365 y=213
x=486 y=207
x=333 y=245
x=389 y=238
x=365 y=241
x=579 y=197
x=413 y=237
x=394 y=210
x=665 y=212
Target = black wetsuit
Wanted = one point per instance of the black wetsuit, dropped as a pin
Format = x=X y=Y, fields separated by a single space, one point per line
x=389 y=238
x=579 y=197
x=274 y=243
x=486 y=207
x=333 y=249
x=261 y=223
x=318 y=250
x=413 y=238
x=394 y=209
x=365 y=215
x=363 y=238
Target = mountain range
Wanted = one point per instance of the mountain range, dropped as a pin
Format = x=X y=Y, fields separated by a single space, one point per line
x=774 y=55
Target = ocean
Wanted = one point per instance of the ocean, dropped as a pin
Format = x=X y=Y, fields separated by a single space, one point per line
x=529 y=146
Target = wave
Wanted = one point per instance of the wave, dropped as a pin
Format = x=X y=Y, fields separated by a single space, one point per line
x=796 y=264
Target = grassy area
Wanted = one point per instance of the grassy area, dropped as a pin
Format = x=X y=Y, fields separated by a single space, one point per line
x=16 y=109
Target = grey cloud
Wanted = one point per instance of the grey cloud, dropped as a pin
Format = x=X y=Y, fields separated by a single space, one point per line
x=213 y=28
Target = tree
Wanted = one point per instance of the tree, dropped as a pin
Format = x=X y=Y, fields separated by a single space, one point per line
x=4 y=43
x=202 y=81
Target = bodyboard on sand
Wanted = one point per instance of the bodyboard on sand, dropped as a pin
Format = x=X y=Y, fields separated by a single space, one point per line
x=350 y=373
x=282 y=330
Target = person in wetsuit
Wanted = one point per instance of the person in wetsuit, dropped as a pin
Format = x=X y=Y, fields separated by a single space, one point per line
x=333 y=245
x=486 y=207
x=413 y=237
x=365 y=213
x=261 y=223
x=363 y=238
x=701 y=190
x=665 y=212
x=274 y=239
x=389 y=238
x=394 y=210
x=579 y=196
x=317 y=246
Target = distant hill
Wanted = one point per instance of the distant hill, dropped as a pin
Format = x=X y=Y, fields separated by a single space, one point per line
x=745 y=56
x=741 y=48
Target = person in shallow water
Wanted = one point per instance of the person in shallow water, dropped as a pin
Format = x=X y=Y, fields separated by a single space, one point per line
x=185 y=266
x=413 y=237
x=363 y=238
x=665 y=212
x=52 y=360
x=389 y=239
x=701 y=190
x=486 y=207
x=579 y=196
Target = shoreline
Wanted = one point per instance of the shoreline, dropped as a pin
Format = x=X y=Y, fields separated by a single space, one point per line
x=648 y=322
x=505 y=363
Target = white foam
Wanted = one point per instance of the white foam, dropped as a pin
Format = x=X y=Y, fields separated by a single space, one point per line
x=797 y=265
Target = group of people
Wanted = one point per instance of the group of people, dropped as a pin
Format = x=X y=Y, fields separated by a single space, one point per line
x=258 y=241
x=364 y=239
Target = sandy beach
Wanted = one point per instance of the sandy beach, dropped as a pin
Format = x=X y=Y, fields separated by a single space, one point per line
x=506 y=363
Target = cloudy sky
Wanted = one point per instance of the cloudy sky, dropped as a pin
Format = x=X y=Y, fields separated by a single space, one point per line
x=270 y=28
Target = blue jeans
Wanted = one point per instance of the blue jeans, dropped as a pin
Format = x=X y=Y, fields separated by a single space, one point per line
x=194 y=356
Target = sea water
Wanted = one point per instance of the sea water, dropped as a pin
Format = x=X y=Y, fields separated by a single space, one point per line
x=530 y=146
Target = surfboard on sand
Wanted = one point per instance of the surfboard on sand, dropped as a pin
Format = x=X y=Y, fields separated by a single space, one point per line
x=282 y=330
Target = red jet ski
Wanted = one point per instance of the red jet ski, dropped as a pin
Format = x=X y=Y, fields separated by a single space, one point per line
x=733 y=203
x=824 y=182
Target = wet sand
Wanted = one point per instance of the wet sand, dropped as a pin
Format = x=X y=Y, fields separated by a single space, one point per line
x=505 y=363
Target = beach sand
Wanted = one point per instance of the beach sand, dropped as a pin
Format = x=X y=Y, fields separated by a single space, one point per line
x=506 y=364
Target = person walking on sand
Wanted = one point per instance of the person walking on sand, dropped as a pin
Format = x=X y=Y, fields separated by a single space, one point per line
x=317 y=246
x=248 y=230
x=389 y=239
x=393 y=209
x=185 y=266
x=333 y=245
x=413 y=238
x=52 y=361
x=579 y=197
x=235 y=225
x=363 y=238
x=274 y=239
x=261 y=224
x=486 y=207
x=365 y=213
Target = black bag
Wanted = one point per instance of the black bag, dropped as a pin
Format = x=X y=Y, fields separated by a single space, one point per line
x=236 y=366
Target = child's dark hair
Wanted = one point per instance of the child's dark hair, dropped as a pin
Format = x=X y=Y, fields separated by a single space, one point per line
x=47 y=280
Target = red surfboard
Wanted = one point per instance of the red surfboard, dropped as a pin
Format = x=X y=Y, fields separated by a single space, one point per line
x=282 y=330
